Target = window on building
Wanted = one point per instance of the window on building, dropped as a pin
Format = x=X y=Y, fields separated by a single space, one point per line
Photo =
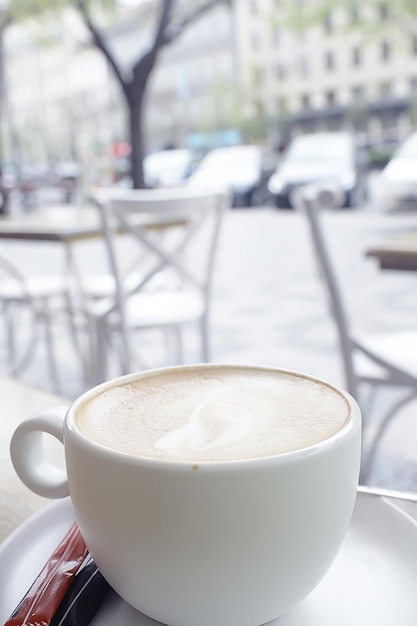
x=385 y=89
x=329 y=60
x=303 y=66
x=354 y=14
x=357 y=56
x=413 y=86
x=414 y=45
x=281 y=105
x=383 y=11
x=328 y=23
x=357 y=94
x=385 y=50
x=330 y=97
x=305 y=101
x=259 y=108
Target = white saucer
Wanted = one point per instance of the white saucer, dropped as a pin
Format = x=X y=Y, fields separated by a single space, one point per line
x=373 y=581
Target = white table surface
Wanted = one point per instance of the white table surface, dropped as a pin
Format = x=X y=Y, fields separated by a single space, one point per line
x=66 y=224
x=17 y=402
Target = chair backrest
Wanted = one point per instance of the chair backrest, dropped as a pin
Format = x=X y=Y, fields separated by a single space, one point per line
x=166 y=223
x=311 y=199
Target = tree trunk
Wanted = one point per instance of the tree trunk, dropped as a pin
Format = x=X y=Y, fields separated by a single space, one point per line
x=135 y=113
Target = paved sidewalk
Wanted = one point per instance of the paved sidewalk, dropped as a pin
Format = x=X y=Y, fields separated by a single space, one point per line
x=269 y=307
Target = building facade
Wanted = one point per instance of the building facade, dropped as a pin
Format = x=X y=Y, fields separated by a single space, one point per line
x=351 y=68
x=239 y=73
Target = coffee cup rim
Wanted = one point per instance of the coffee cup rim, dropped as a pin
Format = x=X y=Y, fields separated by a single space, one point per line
x=352 y=421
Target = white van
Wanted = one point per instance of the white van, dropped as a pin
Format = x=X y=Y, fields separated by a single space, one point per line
x=399 y=178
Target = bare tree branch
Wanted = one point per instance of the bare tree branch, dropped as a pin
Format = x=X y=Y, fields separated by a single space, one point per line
x=144 y=65
x=100 y=42
x=176 y=29
x=134 y=85
x=163 y=22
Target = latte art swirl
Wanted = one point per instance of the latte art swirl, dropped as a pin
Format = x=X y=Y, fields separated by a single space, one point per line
x=214 y=414
x=235 y=423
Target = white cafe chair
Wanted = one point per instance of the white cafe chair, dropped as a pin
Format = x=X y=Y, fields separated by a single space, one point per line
x=165 y=287
x=29 y=307
x=371 y=361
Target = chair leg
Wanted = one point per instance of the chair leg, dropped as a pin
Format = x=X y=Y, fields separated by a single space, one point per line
x=10 y=338
x=371 y=397
x=50 y=351
x=90 y=358
x=204 y=339
x=19 y=367
x=76 y=324
x=124 y=353
x=101 y=352
x=382 y=426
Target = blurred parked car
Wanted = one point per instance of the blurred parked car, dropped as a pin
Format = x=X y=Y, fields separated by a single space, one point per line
x=320 y=156
x=399 y=178
x=237 y=167
x=167 y=168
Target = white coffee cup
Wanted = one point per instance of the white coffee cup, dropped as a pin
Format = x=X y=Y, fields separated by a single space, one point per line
x=236 y=541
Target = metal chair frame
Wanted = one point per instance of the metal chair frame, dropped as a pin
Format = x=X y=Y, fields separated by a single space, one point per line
x=311 y=199
x=36 y=295
x=162 y=275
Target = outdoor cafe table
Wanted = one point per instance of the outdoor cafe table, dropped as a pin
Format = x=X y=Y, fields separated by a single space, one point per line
x=17 y=502
x=68 y=225
x=62 y=224
x=55 y=223
x=397 y=253
x=65 y=224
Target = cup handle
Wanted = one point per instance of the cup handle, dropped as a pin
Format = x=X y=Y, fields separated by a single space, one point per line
x=30 y=459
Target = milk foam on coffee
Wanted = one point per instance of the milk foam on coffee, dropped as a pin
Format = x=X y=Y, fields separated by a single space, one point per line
x=213 y=414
